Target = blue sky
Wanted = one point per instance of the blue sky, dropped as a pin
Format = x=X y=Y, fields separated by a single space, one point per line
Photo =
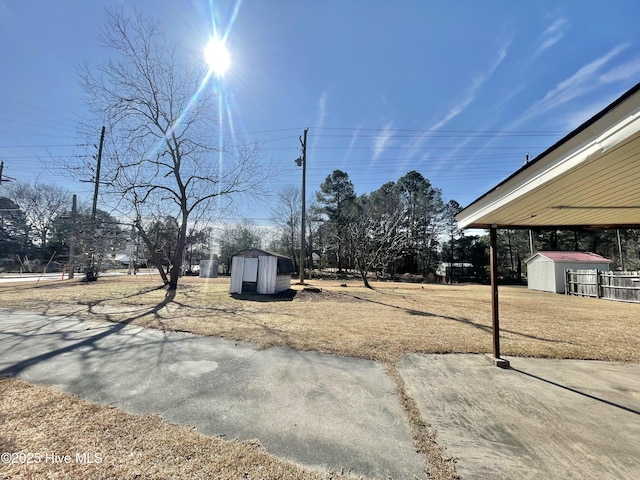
x=460 y=91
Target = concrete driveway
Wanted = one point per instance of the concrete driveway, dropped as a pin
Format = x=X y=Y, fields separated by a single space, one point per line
x=541 y=419
x=321 y=411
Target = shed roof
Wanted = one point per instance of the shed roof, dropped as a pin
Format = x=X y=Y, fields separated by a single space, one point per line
x=285 y=264
x=256 y=252
x=581 y=257
x=589 y=178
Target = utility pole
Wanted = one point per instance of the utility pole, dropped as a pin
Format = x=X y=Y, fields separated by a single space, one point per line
x=303 y=161
x=4 y=178
x=92 y=274
x=72 y=240
x=95 y=190
x=531 y=244
x=620 y=250
x=130 y=253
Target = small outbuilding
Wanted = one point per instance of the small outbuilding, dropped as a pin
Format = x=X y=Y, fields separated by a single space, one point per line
x=546 y=270
x=208 y=268
x=449 y=272
x=259 y=271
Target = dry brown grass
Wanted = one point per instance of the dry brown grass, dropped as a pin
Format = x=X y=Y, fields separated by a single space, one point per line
x=50 y=425
x=382 y=324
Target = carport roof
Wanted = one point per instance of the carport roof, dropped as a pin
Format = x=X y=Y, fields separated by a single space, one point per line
x=590 y=178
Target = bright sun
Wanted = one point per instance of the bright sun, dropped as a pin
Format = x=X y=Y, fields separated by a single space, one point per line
x=217 y=56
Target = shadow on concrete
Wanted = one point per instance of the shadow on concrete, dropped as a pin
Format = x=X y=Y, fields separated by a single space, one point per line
x=90 y=341
x=573 y=390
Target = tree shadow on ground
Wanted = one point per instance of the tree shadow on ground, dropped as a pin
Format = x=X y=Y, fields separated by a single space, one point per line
x=467 y=321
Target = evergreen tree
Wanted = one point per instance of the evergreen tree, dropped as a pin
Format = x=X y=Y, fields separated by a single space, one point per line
x=423 y=207
x=337 y=200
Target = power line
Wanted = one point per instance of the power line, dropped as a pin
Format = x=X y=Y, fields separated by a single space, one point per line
x=417 y=133
x=425 y=148
x=27 y=134
x=48 y=146
x=50 y=127
x=37 y=108
x=23 y=157
x=416 y=130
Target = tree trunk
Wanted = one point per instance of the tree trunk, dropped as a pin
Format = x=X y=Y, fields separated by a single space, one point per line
x=510 y=251
x=176 y=261
x=365 y=280
x=174 y=273
x=309 y=251
x=152 y=251
x=292 y=251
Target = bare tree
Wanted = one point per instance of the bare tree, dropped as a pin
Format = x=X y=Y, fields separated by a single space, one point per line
x=235 y=238
x=13 y=228
x=376 y=232
x=165 y=152
x=41 y=204
x=94 y=239
x=287 y=216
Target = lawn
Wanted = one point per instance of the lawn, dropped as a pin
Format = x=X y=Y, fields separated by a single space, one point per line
x=383 y=324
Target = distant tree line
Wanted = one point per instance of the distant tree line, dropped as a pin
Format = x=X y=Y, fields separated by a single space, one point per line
x=405 y=227
x=39 y=230
x=399 y=228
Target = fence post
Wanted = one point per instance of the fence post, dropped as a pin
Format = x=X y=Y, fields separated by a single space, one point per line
x=597 y=283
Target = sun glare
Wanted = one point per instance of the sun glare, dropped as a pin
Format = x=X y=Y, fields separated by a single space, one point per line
x=217 y=56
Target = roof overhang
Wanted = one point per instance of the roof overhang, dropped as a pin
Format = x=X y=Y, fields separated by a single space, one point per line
x=589 y=179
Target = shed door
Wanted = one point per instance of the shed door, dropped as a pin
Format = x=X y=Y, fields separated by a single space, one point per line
x=236 y=275
x=267 y=274
x=250 y=270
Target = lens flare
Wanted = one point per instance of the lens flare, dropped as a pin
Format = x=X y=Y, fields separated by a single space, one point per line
x=217 y=56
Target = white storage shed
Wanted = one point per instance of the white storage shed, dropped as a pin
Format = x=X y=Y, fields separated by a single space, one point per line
x=546 y=270
x=258 y=271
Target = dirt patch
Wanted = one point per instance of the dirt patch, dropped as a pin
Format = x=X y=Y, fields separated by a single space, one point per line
x=323 y=295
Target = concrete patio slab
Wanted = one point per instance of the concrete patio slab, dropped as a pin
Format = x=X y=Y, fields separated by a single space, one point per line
x=542 y=418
